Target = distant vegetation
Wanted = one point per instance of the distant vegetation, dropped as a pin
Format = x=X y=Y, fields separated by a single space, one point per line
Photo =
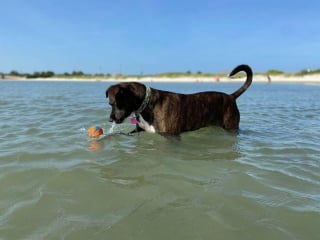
x=80 y=74
x=308 y=71
x=274 y=72
x=46 y=74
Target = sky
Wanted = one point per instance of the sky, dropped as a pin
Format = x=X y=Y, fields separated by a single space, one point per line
x=157 y=36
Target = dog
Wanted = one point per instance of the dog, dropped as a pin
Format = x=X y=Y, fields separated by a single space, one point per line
x=172 y=113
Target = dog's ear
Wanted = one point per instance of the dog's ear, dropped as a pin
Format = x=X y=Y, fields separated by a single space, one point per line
x=109 y=91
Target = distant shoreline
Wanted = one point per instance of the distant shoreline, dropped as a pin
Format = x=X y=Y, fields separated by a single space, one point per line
x=312 y=78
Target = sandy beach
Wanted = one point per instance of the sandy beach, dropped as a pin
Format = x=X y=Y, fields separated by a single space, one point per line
x=310 y=79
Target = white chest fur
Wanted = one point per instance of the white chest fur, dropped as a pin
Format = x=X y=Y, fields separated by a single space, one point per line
x=145 y=125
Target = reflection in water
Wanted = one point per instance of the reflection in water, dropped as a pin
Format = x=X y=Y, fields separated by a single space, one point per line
x=95 y=145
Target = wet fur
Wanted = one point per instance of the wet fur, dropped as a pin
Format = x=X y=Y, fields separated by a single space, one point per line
x=174 y=113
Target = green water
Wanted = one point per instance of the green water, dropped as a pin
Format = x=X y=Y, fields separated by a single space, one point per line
x=56 y=183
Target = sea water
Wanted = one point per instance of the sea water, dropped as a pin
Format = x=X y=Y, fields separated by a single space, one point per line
x=57 y=183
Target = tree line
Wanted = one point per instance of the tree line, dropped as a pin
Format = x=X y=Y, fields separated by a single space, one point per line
x=44 y=74
x=49 y=74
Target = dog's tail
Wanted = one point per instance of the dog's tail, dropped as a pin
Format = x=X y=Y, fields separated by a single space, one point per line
x=247 y=83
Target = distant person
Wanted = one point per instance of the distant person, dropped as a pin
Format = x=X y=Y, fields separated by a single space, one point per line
x=269 y=78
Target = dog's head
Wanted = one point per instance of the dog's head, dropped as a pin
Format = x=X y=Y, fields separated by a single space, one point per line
x=124 y=99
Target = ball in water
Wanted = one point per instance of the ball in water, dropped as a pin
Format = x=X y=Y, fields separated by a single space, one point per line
x=95 y=131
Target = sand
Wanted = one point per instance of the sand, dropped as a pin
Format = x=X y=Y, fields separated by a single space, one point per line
x=311 y=79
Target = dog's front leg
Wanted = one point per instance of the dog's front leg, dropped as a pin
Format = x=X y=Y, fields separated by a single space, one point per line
x=136 y=130
x=145 y=125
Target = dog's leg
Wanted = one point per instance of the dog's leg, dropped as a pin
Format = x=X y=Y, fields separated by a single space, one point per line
x=145 y=125
x=171 y=137
x=136 y=130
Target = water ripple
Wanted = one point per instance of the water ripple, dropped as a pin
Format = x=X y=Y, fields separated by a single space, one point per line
x=259 y=184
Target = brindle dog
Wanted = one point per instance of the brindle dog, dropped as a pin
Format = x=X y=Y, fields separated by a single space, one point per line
x=173 y=113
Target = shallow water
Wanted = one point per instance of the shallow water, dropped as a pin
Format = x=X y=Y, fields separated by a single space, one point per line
x=56 y=183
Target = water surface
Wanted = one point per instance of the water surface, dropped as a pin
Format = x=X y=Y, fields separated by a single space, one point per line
x=56 y=183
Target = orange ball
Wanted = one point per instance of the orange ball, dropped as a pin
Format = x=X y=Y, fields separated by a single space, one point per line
x=95 y=131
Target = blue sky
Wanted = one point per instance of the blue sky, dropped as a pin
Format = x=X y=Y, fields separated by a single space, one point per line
x=153 y=36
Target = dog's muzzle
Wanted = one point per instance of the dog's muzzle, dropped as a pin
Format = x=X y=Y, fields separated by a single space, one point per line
x=117 y=118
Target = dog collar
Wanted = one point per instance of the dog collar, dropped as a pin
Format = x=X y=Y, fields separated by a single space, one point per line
x=145 y=101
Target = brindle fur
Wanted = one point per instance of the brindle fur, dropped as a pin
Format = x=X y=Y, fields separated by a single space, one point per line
x=175 y=113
